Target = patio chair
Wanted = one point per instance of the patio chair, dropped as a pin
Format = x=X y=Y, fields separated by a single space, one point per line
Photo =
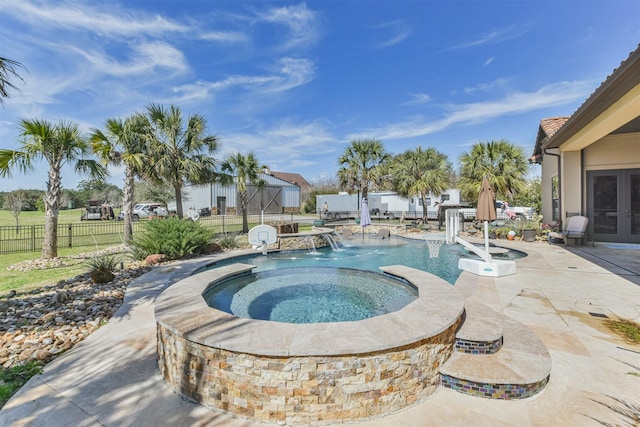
x=576 y=229
x=346 y=233
x=383 y=233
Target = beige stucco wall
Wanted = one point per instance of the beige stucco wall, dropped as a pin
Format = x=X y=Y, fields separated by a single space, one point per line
x=549 y=170
x=613 y=152
x=571 y=185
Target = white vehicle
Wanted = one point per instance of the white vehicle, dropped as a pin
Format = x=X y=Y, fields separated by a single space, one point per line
x=516 y=213
x=147 y=210
x=503 y=212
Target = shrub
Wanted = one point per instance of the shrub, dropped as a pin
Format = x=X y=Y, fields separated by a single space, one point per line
x=102 y=268
x=172 y=237
x=227 y=241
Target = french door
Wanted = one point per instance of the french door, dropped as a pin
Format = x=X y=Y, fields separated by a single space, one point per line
x=613 y=205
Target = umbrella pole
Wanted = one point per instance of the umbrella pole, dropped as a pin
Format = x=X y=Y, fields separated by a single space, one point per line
x=487 y=257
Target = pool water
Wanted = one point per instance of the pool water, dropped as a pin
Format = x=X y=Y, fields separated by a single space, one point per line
x=329 y=285
x=310 y=295
x=369 y=255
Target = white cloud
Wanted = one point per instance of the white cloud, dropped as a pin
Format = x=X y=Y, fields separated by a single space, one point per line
x=472 y=113
x=287 y=74
x=488 y=87
x=418 y=99
x=301 y=22
x=224 y=36
x=398 y=30
x=285 y=146
x=146 y=57
x=495 y=36
x=109 y=20
x=292 y=72
x=488 y=61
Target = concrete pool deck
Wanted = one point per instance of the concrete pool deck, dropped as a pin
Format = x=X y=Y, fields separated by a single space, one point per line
x=112 y=378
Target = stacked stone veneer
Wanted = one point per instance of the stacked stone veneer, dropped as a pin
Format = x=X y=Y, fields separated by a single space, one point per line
x=304 y=390
x=300 y=241
x=296 y=243
x=305 y=374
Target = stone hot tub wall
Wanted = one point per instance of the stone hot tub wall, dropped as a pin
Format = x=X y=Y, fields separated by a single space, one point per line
x=307 y=374
x=303 y=390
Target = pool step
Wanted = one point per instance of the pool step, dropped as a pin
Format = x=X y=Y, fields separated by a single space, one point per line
x=519 y=368
x=481 y=331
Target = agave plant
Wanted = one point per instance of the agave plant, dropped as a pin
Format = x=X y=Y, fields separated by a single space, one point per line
x=227 y=240
x=102 y=268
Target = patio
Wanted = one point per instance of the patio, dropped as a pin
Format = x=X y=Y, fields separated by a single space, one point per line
x=112 y=377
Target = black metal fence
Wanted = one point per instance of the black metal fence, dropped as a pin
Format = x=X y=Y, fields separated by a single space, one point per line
x=29 y=238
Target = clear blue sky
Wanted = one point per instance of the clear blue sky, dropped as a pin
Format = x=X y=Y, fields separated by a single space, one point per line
x=296 y=81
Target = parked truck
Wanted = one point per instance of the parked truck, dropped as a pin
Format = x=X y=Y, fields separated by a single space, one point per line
x=503 y=212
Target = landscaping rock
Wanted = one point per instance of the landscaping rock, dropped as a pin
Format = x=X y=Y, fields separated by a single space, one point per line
x=154 y=259
x=42 y=324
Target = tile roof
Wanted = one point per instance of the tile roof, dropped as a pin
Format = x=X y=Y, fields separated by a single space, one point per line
x=552 y=124
x=548 y=127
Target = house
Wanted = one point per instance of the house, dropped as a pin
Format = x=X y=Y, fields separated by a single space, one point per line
x=591 y=160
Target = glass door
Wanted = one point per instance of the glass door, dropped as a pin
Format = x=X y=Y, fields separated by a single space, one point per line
x=613 y=205
x=633 y=211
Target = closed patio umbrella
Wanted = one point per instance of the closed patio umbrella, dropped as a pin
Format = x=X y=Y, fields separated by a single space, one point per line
x=365 y=218
x=486 y=211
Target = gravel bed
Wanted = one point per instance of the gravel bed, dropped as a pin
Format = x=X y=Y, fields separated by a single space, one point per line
x=42 y=324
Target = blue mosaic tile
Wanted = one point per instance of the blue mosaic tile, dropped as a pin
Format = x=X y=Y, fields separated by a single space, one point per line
x=478 y=347
x=493 y=391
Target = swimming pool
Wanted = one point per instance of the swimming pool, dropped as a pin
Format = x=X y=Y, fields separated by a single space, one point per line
x=367 y=254
x=323 y=372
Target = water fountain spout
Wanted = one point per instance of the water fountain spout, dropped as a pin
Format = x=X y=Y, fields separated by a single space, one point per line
x=332 y=242
x=311 y=245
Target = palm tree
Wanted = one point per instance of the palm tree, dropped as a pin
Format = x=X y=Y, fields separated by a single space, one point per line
x=503 y=163
x=123 y=143
x=420 y=172
x=58 y=144
x=241 y=170
x=361 y=165
x=7 y=71
x=179 y=155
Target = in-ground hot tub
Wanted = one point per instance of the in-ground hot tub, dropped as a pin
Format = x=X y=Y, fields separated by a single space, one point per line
x=311 y=373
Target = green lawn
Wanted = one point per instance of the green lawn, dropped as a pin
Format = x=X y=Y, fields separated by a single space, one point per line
x=23 y=282
x=37 y=218
x=28 y=281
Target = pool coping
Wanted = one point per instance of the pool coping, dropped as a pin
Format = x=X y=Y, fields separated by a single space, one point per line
x=182 y=309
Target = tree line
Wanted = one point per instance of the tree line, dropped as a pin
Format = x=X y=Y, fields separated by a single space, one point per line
x=366 y=164
x=160 y=146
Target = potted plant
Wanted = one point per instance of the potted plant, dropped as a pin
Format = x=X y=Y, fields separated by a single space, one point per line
x=530 y=228
x=501 y=232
